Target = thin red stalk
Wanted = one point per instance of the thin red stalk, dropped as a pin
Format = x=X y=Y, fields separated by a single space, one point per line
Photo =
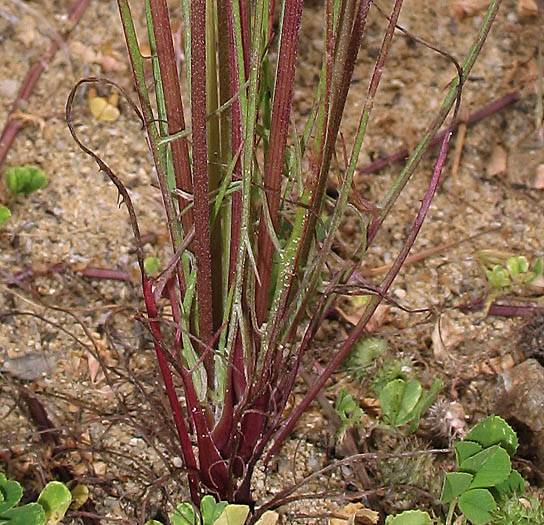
x=244 y=20
x=13 y=125
x=402 y=153
x=369 y=102
x=275 y=158
x=173 y=103
x=188 y=455
x=339 y=95
x=91 y=272
x=151 y=307
x=319 y=183
x=504 y=310
x=361 y=325
x=271 y=8
x=200 y=175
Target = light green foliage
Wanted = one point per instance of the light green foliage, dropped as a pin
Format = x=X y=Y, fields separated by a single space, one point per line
x=151 y=265
x=52 y=504
x=505 y=271
x=528 y=510
x=5 y=214
x=213 y=513
x=391 y=369
x=10 y=494
x=476 y=505
x=365 y=352
x=404 y=402
x=233 y=515
x=494 y=430
x=210 y=512
x=497 y=277
x=80 y=494
x=348 y=410
x=485 y=474
x=410 y=517
x=184 y=515
x=25 y=179
x=55 y=499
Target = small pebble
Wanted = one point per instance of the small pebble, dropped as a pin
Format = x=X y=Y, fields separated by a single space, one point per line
x=400 y=293
x=8 y=89
x=31 y=367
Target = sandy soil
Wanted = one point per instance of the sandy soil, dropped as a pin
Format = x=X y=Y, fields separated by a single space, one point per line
x=75 y=220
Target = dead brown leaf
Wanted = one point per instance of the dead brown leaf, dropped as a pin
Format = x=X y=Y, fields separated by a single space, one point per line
x=444 y=339
x=497 y=161
x=539 y=179
x=527 y=7
x=461 y=8
x=379 y=317
x=355 y=514
x=94 y=368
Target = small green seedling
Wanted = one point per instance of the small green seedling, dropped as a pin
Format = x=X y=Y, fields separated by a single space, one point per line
x=527 y=510
x=214 y=513
x=484 y=474
x=11 y=493
x=25 y=179
x=151 y=265
x=404 y=402
x=5 y=214
x=233 y=515
x=52 y=504
x=349 y=411
x=503 y=270
x=55 y=499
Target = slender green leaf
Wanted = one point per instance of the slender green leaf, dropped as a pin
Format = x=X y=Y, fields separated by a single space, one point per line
x=410 y=398
x=391 y=398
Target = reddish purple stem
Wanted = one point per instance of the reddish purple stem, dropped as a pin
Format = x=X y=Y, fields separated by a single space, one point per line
x=13 y=125
x=402 y=153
